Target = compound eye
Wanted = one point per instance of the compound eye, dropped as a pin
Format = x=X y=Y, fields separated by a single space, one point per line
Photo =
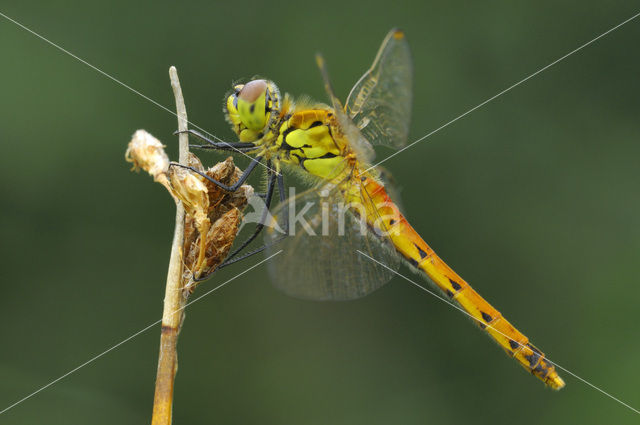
x=253 y=90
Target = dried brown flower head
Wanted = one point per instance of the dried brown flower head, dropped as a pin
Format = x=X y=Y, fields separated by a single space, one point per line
x=210 y=211
x=147 y=153
x=217 y=216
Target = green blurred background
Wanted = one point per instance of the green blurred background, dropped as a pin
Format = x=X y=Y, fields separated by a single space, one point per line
x=533 y=199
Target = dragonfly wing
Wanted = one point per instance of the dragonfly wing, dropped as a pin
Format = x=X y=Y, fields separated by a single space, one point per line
x=380 y=102
x=320 y=259
x=322 y=65
x=358 y=143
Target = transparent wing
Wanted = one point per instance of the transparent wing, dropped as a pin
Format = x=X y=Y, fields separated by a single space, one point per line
x=320 y=259
x=363 y=149
x=380 y=102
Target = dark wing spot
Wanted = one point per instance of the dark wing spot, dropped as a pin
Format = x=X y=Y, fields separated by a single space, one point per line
x=449 y=293
x=487 y=318
x=455 y=285
x=513 y=344
x=392 y=222
x=252 y=108
x=413 y=262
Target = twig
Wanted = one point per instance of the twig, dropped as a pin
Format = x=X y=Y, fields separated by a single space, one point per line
x=175 y=298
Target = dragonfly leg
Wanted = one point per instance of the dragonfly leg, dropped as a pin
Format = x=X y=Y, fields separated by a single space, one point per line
x=211 y=144
x=233 y=257
x=260 y=225
x=247 y=172
x=246 y=255
x=229 y=147
x=235 y=260
x=283 y=198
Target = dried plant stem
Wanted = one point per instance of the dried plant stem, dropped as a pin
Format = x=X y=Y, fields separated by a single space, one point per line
x=175 y=298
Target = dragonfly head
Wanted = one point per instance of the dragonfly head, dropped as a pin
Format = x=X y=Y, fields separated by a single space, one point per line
x=252 y=108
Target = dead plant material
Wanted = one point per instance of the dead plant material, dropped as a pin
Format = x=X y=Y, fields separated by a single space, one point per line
x=217 y=215
x=212 y=216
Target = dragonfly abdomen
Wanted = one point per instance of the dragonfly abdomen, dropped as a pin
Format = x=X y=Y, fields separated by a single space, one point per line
x=420 y=256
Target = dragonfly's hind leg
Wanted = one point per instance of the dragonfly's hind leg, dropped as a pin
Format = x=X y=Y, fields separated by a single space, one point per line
x=263 y=217
x=233 y=258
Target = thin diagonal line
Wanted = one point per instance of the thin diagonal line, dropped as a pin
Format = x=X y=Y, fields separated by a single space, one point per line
x=489 y=326
x=121 y=83
x=91 y=360
x=506 y=90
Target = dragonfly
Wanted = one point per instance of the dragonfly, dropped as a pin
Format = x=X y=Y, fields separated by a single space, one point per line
x=349 y=212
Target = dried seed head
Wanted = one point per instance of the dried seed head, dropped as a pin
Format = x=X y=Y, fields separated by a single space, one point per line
x=146 y=152
x=224 y=214
x=191 y=190
x=227 y=173
x=212 y=214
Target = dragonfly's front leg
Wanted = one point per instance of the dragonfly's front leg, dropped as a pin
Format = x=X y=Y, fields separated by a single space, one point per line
x=247 y=172
x=218 y=145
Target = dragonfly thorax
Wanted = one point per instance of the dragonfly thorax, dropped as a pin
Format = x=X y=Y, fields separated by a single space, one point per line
x=253 y=108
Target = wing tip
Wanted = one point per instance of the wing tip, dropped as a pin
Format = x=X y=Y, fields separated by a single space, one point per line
x=397 y=33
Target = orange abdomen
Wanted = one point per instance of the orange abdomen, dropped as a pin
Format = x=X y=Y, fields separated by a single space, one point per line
x=419 y=255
